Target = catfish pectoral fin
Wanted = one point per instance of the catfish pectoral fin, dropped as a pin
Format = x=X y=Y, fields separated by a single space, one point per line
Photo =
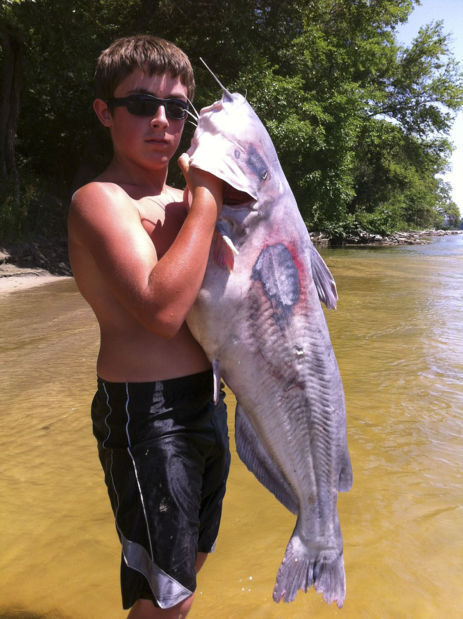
x=223 y=251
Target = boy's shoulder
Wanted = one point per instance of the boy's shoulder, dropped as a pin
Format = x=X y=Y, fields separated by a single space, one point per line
x=101 y=196
x=100 y=206
x=111 y=207
x=99 y=189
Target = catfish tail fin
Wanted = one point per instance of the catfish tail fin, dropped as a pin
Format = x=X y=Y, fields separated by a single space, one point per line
x=301 y=568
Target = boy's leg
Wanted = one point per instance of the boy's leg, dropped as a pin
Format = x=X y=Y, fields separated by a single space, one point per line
x=200 y=560
x=180 y=512
x=145 y=609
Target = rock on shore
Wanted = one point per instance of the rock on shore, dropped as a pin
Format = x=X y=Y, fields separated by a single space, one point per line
x=412 y=237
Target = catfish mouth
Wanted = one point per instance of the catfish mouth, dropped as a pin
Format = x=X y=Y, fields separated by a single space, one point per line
x=235 y=197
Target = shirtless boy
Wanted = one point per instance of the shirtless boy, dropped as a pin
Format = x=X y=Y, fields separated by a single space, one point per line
x=138 y=254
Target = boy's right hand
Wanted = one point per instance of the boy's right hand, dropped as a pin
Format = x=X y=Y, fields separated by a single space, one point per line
x=198 y=180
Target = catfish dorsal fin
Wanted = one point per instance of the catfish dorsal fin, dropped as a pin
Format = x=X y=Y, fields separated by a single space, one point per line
x=226 y=92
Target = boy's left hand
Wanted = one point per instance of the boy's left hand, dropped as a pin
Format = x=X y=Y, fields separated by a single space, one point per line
x=196 y=178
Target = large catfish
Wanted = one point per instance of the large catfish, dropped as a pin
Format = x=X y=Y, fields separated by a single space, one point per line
x=258 y=317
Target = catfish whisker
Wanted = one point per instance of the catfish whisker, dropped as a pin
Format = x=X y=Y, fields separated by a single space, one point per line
x=192 y=115
x=194 y=109
x=224 y=90
x=192 y=123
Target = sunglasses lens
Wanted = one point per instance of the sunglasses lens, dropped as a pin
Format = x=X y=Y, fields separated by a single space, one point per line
x=176 y=110
x=144 y=106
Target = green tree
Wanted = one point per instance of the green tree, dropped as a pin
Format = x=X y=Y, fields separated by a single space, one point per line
x=11 y=52
x=358 y=99
x=360 y=124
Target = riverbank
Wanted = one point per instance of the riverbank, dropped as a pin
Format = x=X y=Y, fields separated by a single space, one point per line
x=24 y=265
x=412 y=237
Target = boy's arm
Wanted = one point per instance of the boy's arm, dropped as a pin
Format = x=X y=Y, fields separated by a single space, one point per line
x=158 y=293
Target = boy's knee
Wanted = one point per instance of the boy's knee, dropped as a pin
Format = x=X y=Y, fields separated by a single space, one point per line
x=145 y=609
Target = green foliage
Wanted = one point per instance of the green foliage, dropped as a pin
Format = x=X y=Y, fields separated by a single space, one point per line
x=40 y=210
x=360 y=123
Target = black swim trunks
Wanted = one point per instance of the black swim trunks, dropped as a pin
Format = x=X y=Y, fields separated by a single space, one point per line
x=164 y=449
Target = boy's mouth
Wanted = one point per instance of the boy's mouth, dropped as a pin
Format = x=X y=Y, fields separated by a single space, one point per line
x=157 y=142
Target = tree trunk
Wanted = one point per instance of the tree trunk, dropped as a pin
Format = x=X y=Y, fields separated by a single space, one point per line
x=12 y=46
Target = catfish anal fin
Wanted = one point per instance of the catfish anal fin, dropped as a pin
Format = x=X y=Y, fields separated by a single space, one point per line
x=254 y=455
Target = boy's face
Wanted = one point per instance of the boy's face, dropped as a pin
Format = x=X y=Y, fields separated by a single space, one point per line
x=148 y=142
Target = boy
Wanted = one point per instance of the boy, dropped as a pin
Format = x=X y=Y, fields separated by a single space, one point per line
x=139 y=254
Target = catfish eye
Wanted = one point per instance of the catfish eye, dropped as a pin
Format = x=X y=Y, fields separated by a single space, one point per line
x=256 y=164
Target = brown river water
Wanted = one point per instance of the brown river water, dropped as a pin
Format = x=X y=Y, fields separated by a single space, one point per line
x=398 y=337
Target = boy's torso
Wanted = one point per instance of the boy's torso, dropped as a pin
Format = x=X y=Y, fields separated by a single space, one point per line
x=128 y=351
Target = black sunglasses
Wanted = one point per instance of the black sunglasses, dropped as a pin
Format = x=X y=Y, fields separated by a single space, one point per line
x=147 y=105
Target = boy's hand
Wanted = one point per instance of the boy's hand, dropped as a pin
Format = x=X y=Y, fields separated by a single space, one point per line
x=197 y=179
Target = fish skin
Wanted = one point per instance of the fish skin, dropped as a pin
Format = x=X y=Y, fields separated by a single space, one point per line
x=259 y=319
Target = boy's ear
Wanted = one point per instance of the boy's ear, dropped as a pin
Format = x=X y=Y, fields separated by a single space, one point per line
x=102 y=111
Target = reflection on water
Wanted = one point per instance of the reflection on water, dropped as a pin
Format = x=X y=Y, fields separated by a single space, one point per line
x=398 y=337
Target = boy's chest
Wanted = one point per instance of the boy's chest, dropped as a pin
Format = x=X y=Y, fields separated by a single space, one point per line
x=162 y=222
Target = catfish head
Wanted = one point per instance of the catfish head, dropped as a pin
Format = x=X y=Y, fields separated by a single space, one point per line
x=231 y=143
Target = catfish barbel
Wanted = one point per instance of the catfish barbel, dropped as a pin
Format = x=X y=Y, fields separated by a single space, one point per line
x=259 y=319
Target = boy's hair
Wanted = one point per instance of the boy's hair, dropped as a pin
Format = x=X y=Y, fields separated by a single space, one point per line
x=151 y=54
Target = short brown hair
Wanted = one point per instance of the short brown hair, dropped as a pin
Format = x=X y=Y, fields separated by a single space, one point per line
x=143 y=51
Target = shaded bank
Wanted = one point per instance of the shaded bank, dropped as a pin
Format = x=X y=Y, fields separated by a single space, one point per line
x=50 y=256
x=26 y=265
x=34 y=257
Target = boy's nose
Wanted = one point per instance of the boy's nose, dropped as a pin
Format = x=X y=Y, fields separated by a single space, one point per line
x=160 y=117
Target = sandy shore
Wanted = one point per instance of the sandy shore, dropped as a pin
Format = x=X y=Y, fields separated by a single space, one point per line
x=29 y=278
